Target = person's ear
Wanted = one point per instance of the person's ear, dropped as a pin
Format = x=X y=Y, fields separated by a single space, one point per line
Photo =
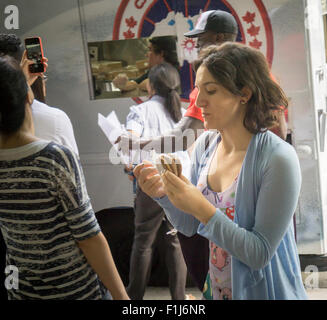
x=246 y=95
x=220 y=38
x=162 y=56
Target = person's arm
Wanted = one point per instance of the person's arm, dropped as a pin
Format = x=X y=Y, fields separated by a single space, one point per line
x=182 y=136
x=178 y=139
x=181 y=221
x=129 y=86
x=122 y=82
x=276 y=204
x=143 y=85
x=151 y=183
x=83 y=225
x=25 y=63
x=98 y=254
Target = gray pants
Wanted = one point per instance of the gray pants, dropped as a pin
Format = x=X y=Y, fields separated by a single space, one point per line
x=148 y=218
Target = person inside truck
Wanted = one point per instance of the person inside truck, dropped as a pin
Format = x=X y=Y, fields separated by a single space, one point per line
x=51 y=234
x=244 y=186
x=161 y=49
x=158 y=114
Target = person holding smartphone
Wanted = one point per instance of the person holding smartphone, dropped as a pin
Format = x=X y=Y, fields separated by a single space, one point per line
x=50 y=123
x=46 y=217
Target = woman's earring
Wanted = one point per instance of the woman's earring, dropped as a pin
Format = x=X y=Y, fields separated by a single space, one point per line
x=243 y=102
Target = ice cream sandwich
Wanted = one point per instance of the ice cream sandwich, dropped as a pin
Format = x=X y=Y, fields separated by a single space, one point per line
x=171 y=163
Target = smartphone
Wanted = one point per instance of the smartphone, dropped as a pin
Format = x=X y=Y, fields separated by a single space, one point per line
x=34 y=51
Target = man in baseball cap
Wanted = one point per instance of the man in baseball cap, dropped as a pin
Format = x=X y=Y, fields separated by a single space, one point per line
x=214 y=27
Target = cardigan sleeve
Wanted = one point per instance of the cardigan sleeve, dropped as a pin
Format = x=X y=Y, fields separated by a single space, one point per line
x=275 y=206
x=184 y=222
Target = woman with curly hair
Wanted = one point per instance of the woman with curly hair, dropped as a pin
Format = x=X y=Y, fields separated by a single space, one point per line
x=245 y=181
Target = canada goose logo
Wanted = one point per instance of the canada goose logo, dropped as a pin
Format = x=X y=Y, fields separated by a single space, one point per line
x=151 y=18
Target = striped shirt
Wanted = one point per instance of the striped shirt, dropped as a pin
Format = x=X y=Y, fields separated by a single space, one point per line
x=44 y=210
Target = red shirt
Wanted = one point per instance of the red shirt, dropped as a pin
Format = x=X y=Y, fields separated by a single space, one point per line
x=192 y=110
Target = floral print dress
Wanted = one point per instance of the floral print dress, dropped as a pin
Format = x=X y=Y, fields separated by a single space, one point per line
x=218 y=285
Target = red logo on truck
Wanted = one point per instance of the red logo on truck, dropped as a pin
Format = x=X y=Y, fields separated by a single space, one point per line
x=149 y=18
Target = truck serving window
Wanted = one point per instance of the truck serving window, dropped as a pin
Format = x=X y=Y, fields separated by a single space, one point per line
x=119 y=68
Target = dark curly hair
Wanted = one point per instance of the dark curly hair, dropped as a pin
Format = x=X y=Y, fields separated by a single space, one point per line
x=11 y=45
x=235 y=66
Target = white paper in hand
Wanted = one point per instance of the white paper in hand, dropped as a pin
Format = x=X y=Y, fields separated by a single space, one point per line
x=113 y=129
x=111 y=126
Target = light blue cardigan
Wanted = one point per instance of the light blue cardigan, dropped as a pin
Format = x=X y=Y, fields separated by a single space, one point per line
x=265 y=262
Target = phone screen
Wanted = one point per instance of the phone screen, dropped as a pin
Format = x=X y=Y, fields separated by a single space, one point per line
x=34 y=52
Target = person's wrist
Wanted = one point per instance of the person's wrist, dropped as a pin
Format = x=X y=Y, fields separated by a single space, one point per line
x=30 y=79
x=205 y=211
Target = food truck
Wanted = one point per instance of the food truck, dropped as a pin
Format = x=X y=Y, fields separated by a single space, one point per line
x=90 y=42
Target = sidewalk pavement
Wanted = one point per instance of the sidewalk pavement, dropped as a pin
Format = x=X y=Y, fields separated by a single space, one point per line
x=162 y=293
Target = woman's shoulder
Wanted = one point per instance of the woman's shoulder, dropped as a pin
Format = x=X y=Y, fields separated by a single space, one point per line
x=60 y=154
x=269 y=142
x=140 y=108
x=56 y=148
x=272 y=150
x=153 y=106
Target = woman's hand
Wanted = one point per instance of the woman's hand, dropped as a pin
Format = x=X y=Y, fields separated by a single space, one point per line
x=25 y=63
x=186 y=197
x=149 y=180
x=120 y=80
x=128 y=169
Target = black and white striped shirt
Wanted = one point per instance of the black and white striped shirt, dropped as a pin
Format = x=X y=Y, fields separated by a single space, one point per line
x=44 y=210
